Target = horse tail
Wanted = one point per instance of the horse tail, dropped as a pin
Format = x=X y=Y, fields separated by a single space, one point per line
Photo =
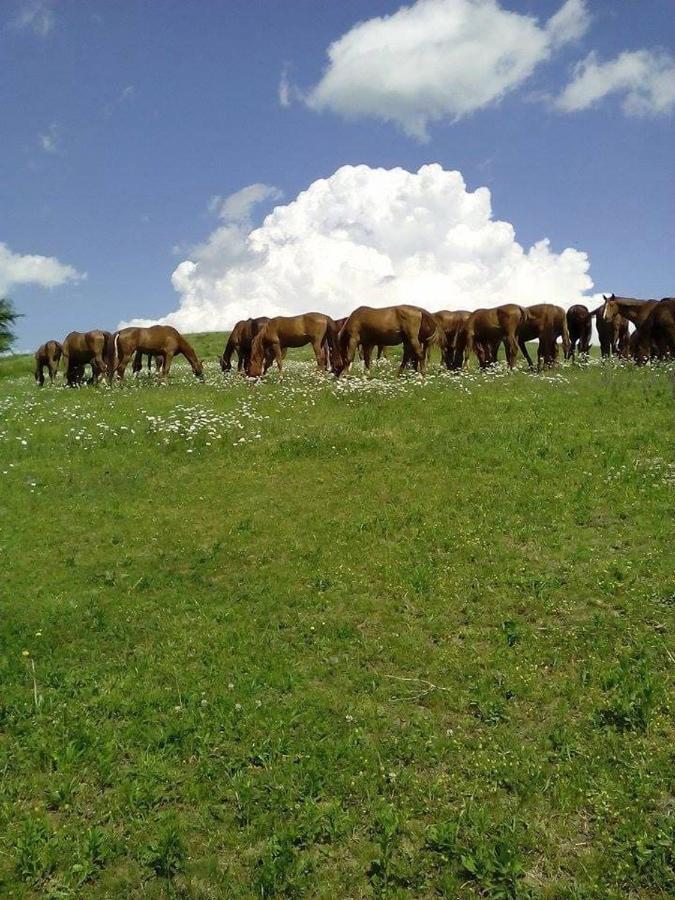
x=567 y=344
x=113 y=353
x=331 y=339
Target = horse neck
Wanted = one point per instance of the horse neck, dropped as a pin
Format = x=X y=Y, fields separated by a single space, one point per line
x=634 y=310
x=188 y=353
x=230 y=347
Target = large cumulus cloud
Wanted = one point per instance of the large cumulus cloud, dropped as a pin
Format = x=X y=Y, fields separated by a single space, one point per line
x=371 y=236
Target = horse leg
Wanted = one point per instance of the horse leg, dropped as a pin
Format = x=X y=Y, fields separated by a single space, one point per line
x=40 y=374
x=367 y=353
x=122 y=365
x=166 y=366
x=279 y=357
x=319 y=355
x=514 y=352
x=98 y=368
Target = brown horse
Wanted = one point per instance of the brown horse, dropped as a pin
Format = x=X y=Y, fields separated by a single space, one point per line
x=239 y=341
x=613 y=335
x=162 y=341
x=486 y=329
x=546 y=323
x=370 y=327
x=47 y=355
x=283 y=332
x=89 y=347
x=579 y=326
x=449 y=325
x=381 y=349
x=631 y=308
x=655 y=337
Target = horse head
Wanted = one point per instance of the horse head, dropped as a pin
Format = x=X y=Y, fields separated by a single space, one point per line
x=610 y=308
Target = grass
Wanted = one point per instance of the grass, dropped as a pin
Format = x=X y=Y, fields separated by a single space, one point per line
x=381 y=638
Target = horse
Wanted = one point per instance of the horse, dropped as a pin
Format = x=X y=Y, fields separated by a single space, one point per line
x=655 y=337
x=411 y=326
x=485 y=329
x=630 y=308
x=546 y=323
x=449 y=325
x=48 y=355
x=579 y=326
x=381 y=349
x=162 y=341
x=239 y=341
x=283 y=332
x=613 y=335
x=89 y=347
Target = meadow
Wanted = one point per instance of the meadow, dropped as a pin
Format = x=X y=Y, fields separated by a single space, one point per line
x=304 y=638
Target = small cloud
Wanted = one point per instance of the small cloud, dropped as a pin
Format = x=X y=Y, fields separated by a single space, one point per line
x=645 y=78
x=124 y=96
x=36 y=16
x=284 y=89
x=237 y=207
x=287 y=91
x=45 y=271
x=50 y=140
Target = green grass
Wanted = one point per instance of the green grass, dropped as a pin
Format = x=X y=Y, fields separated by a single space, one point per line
x=390 y=637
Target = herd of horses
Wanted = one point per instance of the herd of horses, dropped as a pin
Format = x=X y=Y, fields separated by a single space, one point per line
x=260 y=342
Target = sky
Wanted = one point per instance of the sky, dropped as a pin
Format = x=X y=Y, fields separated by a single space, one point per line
x=201 y=162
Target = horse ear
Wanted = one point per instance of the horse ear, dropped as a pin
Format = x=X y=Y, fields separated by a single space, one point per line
x=606 y=298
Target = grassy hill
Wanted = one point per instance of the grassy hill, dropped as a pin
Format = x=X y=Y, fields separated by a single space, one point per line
x=381 y=637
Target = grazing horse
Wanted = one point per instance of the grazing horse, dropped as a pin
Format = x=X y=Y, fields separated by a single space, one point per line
x=381 y=349
x=486 y=329
x=282 y=332
x=579 y=326
x=656 y=335
x=89 y=347
x=546 y=323
x=47 y=355
x=161 y=341
x=240 y=341
x=449 y=325
x=415 y=328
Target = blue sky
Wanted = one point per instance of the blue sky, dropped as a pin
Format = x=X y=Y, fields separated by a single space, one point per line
x=122 y=121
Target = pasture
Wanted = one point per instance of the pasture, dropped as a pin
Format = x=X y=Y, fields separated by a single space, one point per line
x=375 y=637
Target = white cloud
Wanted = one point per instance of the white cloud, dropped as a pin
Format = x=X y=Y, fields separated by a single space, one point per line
x=50 y=140
x=438 y=60
x=373 y=236
x=125 y=95
x=45 y=271
x=36 y=16
x=237 y=207
x=645 y=78
x=284 y=88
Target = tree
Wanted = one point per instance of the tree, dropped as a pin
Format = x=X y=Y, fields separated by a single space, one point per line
x=8 y=318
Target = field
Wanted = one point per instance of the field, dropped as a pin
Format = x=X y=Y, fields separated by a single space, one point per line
x=382 y=637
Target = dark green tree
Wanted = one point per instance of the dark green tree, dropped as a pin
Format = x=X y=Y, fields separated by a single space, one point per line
x=8 y=318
